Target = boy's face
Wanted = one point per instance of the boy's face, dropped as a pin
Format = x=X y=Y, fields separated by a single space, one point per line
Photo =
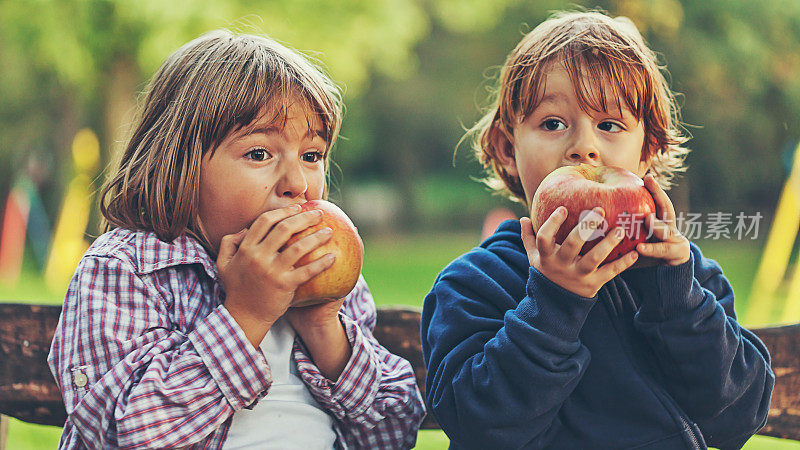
x=559 y=133
x=261 y=167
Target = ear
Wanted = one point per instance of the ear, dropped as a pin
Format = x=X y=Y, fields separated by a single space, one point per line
x=644 y=166
x=649 y=153
x=503 y=143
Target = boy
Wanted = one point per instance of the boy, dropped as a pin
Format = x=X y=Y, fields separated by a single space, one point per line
x=529 y=344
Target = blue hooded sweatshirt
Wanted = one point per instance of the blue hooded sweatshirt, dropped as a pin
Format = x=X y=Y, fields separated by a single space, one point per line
x=656 y=360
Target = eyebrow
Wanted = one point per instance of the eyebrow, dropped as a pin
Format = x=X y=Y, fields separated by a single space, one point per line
x=611 y=104
x=276 y=130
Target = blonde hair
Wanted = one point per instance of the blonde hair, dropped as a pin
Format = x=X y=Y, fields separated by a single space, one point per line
x=591 y=46
x=210 y=87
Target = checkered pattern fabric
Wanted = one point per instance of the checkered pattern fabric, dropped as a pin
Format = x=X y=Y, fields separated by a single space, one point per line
x=146 y=356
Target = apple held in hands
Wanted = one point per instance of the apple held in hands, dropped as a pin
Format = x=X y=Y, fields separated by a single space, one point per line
x=338 y=280
x=622 y=195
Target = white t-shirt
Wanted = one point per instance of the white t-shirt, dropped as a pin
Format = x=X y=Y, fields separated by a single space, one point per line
x=288 y=417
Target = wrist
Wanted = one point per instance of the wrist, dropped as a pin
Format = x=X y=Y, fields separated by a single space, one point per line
x=328 y=347
x=254 y=327
x=321 y=330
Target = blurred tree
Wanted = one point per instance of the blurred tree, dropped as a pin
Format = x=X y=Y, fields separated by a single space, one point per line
x=79 y=63
x=417 y=72
x=735 y=64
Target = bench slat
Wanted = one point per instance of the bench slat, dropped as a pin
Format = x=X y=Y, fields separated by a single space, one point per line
x=27 y=389
x=28 y=392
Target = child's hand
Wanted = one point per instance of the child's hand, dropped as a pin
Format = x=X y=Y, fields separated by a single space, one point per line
x=672 y=248
x=259 y=277
x=563 y=264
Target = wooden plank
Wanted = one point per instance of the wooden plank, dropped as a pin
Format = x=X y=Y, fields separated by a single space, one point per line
x=28 y=392
x=783 y=343
x=27 y=389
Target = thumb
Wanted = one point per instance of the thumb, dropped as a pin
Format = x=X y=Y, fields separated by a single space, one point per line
x=228 y=247
x=528 y=236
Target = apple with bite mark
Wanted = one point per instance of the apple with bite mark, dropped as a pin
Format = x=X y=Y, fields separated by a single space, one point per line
x=338 y=280
x=621 y=194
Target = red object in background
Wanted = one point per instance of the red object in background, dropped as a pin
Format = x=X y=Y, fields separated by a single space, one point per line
x=494 y=219
x=12 y=235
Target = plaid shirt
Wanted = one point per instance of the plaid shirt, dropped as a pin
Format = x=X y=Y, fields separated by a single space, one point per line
x=145 y=355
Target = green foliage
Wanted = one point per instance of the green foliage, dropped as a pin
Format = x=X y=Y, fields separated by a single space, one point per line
x=416 y=73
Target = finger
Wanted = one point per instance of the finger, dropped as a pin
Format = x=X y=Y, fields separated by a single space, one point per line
x=292 y=253
x=228 y=246
x=545 y=238
x=277 y=237
x=264 y=223
x=658 y=250
x=308 y=271
x=666 y=210
x=528 y=236
x=612 y=269
x=592 y=259
x=583 y=231
x=660 y=229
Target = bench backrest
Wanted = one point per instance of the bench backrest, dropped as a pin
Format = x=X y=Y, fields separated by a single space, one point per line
x=28 y=392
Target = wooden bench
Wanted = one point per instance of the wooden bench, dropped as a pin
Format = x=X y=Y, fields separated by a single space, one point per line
x=28 y=392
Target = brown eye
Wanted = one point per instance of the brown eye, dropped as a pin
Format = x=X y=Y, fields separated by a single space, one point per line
x=553 y=125
x=258 y=154
x=609 y=126
x=312 y=157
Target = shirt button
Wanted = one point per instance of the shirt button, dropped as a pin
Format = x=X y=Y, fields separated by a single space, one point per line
x=80 y=379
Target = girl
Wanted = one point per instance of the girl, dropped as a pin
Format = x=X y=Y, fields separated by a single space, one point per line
x=177 y=328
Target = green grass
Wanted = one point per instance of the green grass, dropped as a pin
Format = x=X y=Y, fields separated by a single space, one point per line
x=400 y=271
x=26 y=436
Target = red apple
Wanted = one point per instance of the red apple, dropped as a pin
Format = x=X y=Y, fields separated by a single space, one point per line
x=338 y=280
x=619 y=192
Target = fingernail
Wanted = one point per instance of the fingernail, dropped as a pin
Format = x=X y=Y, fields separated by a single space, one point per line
x=295 y=207
x=326 y=230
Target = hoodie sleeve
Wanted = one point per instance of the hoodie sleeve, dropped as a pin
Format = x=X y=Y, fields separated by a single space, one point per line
x=502 y=352
x=715 y=369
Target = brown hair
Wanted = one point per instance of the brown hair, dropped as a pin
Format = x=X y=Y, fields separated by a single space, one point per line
x=591 y=46
x=210 y=87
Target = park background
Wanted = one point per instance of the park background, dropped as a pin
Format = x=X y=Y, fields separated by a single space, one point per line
x=415 y=73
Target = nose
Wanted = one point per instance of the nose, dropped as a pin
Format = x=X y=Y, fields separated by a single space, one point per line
x=583 y=147
x=292 y=182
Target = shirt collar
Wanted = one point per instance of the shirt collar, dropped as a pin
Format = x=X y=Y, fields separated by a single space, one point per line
x=149 y=254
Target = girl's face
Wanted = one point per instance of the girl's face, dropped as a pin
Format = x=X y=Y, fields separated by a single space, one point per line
x=559 y=133
x=261 y=167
